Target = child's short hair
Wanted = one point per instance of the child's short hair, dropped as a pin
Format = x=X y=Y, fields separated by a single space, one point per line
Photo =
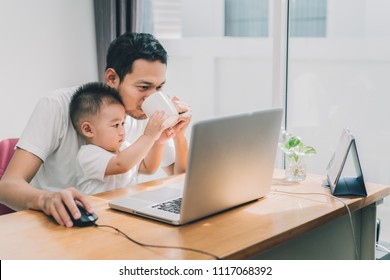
x=88 y=100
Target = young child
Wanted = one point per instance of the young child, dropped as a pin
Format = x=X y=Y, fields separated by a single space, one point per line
x=106 y=161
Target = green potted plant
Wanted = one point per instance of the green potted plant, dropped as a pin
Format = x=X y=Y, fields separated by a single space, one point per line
x=295 y=151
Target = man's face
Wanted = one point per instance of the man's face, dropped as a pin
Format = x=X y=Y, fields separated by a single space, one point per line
x=146 y=78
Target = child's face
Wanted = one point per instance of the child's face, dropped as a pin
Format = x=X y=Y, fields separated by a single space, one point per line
x=108 y=130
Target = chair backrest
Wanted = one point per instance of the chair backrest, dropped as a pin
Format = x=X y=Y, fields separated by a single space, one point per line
x=7 y=149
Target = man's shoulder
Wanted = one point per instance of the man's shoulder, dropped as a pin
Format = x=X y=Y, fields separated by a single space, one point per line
x=63 y=93
x=59 y=98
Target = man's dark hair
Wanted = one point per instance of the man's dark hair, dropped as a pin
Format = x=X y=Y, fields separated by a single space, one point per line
x=128 y=47
x=88 y=100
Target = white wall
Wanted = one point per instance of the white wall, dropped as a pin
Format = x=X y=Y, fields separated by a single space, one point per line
x=45 y=45
x=203 y=18
x=358 y=18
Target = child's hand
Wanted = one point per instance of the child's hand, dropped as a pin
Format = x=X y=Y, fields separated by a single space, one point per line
x=155 y=127
x=166 y=135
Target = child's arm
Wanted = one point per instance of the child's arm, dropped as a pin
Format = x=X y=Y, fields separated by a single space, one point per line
x=132 y=155
x=152 y=160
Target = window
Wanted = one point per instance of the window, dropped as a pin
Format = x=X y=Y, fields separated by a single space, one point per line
x=167 y=18
x=341 y=81
x=308 y=18
x=246 y=18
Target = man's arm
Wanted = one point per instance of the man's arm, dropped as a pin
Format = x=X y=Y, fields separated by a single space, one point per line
x=180 y=140
x=180 y=164
x=18 y=194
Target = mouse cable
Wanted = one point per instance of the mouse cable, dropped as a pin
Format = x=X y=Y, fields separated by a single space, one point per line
x=158 y=246
x=296 y=194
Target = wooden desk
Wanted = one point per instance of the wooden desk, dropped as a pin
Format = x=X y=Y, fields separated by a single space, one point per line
x=280 y=226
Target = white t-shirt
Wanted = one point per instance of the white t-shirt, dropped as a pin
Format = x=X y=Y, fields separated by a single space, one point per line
x=49 y=135
x=91 y=165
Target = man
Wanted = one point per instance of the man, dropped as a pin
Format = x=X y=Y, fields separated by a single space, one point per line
x=42 y=171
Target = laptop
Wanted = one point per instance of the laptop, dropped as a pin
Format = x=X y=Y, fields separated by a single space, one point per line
x=230 y=163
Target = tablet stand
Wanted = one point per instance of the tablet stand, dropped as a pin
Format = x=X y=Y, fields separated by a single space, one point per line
x=348 y=186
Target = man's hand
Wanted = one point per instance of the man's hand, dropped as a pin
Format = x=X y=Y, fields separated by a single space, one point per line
x=185 y=115
x=53 y=204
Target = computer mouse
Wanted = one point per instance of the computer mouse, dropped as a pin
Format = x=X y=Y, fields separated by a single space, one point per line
x=86 y=219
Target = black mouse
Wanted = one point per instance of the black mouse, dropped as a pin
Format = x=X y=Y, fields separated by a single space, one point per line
x=86 y=219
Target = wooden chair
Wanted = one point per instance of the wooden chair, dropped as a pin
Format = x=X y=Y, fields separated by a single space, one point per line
x=7 y=149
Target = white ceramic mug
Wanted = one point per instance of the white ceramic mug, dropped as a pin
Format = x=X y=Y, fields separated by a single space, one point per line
x=158 y=101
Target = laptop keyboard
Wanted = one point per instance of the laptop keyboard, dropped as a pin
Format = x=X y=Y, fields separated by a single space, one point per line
x=172 y=206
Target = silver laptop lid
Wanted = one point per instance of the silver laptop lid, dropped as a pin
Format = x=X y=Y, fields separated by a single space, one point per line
x=231 y=162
